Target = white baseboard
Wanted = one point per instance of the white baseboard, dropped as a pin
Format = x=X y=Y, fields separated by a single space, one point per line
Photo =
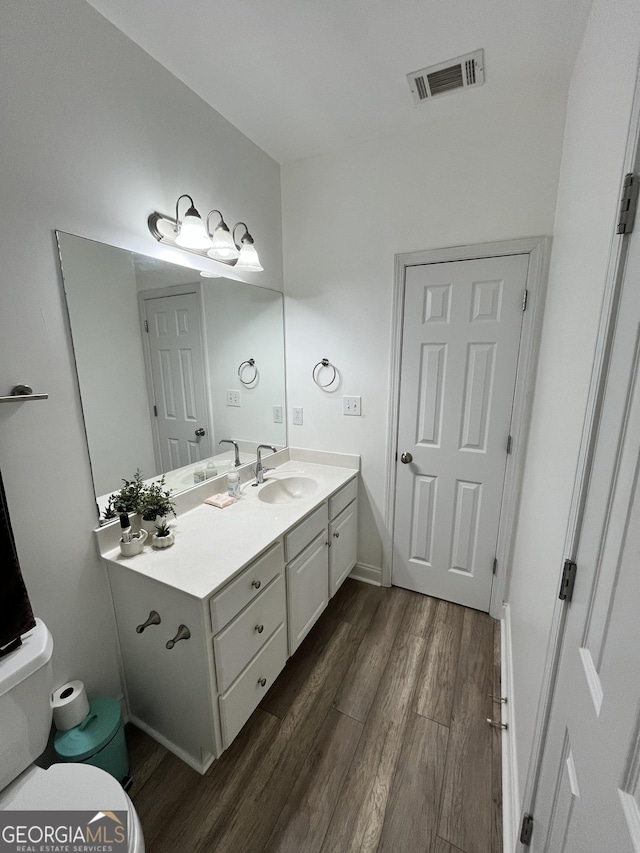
x=510 y=793
x=367 y=574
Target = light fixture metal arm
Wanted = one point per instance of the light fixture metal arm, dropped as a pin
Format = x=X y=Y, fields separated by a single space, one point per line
x=245 y=237
x=184 y=195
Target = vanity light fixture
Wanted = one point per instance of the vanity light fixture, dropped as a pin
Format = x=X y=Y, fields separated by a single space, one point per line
x=192 y=235
x=248 y=257
x=223 y=248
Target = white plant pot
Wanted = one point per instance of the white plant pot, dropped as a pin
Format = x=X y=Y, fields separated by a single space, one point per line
x=163 y=541
x=151 y=525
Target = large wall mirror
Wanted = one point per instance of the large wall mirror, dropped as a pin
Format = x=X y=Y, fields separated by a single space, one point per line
x=169 y=364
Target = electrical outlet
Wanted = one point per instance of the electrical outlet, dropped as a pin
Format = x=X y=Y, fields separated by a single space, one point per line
x=277 y=414
x=233 y=398
x=352 y=405
x=297 y=416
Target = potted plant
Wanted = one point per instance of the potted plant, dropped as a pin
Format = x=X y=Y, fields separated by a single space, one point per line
x=163 y=537
x=127 y=499
x=155 y=505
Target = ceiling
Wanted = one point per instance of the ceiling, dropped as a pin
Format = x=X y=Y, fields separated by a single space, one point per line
x=303 y=77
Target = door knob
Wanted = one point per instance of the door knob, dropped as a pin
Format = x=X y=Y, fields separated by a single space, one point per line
x=405 y=458
x=200 y=432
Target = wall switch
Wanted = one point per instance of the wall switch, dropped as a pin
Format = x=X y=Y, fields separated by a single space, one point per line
x=297 y=416
x=233 y=398
x=277 y=414
x=352 y=405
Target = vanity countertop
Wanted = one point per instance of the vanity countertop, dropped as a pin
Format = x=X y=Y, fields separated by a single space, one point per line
x=213 y=545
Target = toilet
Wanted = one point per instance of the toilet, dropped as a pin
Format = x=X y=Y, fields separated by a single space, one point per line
x=26 y=683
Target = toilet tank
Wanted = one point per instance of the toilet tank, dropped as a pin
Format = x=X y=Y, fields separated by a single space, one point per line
x=26 y=682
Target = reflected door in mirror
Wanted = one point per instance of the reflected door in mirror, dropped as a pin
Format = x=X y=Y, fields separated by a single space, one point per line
x=178 y=392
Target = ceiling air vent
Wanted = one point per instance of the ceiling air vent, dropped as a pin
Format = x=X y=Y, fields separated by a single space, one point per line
x=459 y=73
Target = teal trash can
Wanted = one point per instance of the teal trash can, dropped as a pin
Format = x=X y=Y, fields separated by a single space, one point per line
x=98 y=740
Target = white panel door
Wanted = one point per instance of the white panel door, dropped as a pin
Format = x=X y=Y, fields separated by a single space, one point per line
x=461 y=334
x=588 y=794
x=178 y=379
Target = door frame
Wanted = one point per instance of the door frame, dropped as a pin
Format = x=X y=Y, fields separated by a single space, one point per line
x=614 y=277
x=538 y=249
x=145 y=296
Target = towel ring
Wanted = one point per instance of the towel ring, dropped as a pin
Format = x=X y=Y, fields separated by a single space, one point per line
x=316 y=373
x=250 y=362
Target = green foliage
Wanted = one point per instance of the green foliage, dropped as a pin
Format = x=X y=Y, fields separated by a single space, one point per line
x=156 y=501
x=109 y=510
x=152 y=501
x=128 y=498
x=163 y=530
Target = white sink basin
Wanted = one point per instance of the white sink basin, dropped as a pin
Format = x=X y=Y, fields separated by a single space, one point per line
x=286 y=490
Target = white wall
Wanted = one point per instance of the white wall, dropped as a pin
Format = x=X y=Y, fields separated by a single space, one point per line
x=100 y=288
x=473 y=175
x=95 y=136
x=592 y=163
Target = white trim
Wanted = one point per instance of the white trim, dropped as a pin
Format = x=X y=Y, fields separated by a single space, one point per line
x=614 y=276
x=538 y=249
x=367 y=574
x=510 y=794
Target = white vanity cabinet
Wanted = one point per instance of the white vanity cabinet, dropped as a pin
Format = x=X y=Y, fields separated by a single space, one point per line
x=343 y=535
x=169 y=690
x=206 y=627
x=320 y=553
x=307 y=554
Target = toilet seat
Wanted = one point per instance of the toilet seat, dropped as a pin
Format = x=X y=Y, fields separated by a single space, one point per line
x=72 y=787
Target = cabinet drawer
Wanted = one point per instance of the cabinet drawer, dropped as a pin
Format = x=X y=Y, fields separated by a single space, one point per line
x=303 y=533
x=343 y=497
x=240 y=700
x=248 y=632
x=230 y=601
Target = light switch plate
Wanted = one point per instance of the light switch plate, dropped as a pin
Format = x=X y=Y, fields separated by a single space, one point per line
x=352 y=405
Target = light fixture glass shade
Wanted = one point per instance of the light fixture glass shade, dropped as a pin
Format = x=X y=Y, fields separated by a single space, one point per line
x=223 y=248
x=248 y=259
x=192 y=233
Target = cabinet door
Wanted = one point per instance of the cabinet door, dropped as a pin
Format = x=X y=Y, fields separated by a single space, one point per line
x=343 y=538
x=307 y=589
x=169 y=691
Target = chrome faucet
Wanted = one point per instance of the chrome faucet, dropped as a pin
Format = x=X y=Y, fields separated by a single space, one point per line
x=260 y=469
x=235 y=447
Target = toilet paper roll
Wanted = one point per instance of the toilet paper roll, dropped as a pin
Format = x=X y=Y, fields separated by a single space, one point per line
x=70 y=705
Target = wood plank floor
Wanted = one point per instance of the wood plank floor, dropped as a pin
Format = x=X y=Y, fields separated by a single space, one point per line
x=373 y=738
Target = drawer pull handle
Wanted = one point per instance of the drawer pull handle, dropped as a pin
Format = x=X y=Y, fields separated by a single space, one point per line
x=183 y=634
x=262 y=682
x=337 y=535
x=259 y=628
x=154 y=619
x=256 y=584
